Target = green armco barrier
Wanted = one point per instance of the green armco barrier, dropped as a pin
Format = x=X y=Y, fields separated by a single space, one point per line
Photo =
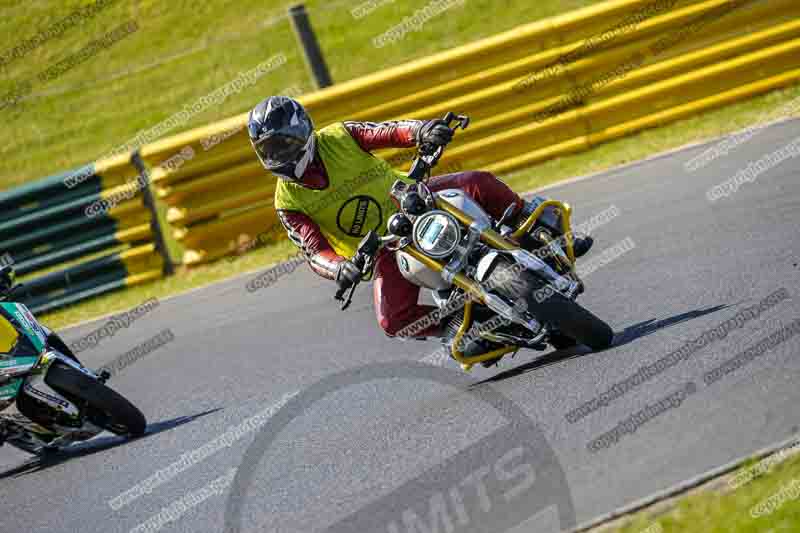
x=90 y=288
x=66 y=250
x=44 y=224
x=30 y=243
x=31 y=191
x=46 y=189
x=58 y=213
x=76 y=274
x=50 y=201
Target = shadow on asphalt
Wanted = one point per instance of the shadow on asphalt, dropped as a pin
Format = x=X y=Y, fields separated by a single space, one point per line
x=95 y=445
x=621 y=338
x=648 y=327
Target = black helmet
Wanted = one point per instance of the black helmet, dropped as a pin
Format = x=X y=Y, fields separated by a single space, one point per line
x=282 y=135
x=7 y=280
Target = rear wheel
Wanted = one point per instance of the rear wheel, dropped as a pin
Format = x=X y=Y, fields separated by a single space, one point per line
x=552 y=308
x=106 y=408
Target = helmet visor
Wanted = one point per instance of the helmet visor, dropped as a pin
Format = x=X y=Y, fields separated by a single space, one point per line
x=278 y=150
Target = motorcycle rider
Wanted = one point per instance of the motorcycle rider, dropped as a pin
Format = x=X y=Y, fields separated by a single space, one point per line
x=331 y=191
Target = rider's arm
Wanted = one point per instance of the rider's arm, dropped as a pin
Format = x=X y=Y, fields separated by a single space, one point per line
x=393 y=134
x=307 y=236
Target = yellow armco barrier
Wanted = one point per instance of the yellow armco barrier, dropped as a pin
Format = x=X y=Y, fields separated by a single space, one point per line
x=540 y=91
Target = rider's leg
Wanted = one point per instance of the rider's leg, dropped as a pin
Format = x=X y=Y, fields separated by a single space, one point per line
x=396 y=306
x=483 y=187
x=495 y=197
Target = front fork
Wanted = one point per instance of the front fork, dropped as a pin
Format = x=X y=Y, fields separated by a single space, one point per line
x=36 y=385
x=474 y=290
x=33 y=383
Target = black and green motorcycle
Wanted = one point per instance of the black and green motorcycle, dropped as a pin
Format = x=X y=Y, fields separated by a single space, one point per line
x=48 y=399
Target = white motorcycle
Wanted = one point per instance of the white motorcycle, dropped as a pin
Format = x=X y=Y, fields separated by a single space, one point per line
x=497 y=289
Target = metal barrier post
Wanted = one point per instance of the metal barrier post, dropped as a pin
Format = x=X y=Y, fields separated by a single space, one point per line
x=149 y=202
x=308 y=42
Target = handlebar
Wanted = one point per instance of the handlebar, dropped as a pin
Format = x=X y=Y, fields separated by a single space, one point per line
x=364 y=259
x=346 y=300
x=345 y=295
x=428 y=155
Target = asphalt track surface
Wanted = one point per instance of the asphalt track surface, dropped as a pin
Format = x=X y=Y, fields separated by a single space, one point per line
x=373 y=453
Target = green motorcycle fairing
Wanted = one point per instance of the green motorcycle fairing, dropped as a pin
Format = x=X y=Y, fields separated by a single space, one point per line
x=22 y=341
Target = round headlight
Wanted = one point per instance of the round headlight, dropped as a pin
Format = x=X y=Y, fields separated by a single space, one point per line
x=437 y=234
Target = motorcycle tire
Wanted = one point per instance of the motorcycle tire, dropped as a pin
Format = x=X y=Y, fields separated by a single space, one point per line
x=106 y=408
x=563 y=314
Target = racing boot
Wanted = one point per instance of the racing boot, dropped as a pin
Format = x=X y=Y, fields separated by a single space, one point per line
x=581 y=245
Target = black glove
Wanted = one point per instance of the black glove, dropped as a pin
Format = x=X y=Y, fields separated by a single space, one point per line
x=435 y=133
x=347 y=274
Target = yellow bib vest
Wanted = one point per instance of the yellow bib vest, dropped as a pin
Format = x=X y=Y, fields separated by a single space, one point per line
x=356 y=199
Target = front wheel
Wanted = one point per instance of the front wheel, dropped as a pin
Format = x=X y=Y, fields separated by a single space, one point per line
x=105 y=407
x=561 y=313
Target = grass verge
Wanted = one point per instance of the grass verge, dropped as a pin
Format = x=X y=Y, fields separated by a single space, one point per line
x=181 y=51
x=768 y=503
x=712 y=124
